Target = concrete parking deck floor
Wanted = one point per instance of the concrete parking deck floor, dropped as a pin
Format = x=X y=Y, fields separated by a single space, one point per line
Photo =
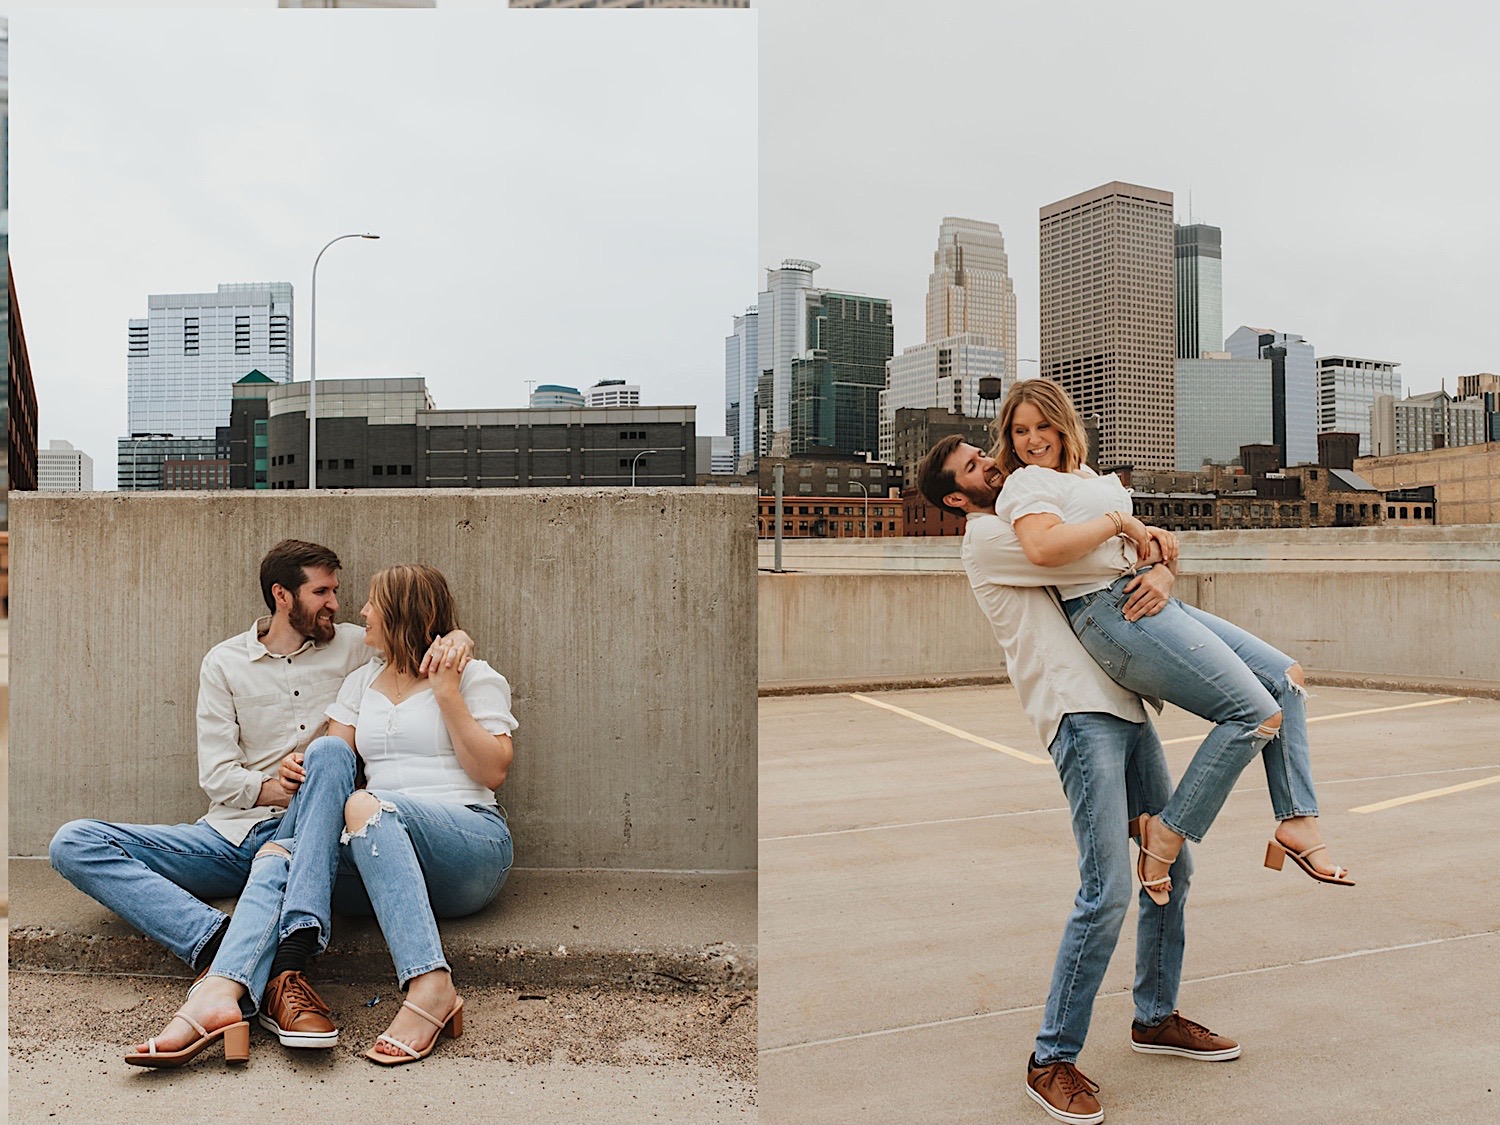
x=917 y=866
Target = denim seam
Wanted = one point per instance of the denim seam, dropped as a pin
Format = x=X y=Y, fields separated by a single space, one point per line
x=412 y=974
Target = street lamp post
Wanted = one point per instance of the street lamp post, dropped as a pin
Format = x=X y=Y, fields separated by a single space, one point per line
x=859 y=485
x=312 y=375
x=636 y=460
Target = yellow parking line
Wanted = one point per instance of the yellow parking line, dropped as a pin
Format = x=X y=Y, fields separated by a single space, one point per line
x=1341 y=715
x=946 y=729
x=1394 y=801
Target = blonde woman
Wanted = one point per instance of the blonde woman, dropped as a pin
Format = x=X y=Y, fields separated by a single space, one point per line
x=1153 y=644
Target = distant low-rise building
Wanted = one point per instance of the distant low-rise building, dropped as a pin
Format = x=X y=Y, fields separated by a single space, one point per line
x=1435 y=420
x=62 y=468
x=826 y=472
x=550 y=395
x=1464 y=482
x=386 y=433
x=612 y=392
x=831 y=517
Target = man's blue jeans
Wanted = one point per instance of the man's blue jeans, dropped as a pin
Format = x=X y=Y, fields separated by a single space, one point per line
x=1111 y=770
x=155 y=876
x=289 y=892
x=1219 y=672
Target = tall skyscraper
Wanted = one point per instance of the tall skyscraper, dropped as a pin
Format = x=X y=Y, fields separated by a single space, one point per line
x=62 y=468
x=1107 y=323
x=1347 y=390
x=741 y=370
x=1294 y=388
x=191 y=348
x=782 y=327
x=969 y=292
x=838 y=378
x=1200 y=290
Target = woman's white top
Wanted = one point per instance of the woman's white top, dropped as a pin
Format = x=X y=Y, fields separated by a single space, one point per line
x=1074 y=498
x=405 y=746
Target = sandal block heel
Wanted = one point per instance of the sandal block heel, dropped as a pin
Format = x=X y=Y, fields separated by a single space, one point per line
x=237 y=1043
x=1275 y=856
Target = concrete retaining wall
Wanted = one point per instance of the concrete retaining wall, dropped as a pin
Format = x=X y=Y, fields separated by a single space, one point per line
x=623 y=619
x=1393 y=603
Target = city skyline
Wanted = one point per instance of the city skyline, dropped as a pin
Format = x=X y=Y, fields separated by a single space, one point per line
x=561 y=238
x=1369 y=231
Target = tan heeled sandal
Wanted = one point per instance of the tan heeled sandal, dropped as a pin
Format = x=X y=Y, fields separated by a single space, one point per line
x=236 y=1038
x=1276 y=852
x=451 y=1025
x=1157 y=890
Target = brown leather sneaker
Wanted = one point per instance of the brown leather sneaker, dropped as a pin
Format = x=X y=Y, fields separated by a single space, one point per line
x=1178 y=1036
x=296 y=1015
x=1064 y=1092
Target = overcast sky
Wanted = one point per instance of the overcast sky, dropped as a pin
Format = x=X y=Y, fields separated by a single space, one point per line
x=558 y=199
x=1346 y=148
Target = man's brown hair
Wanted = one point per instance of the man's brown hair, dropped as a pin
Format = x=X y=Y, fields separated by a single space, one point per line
x=934 y=478
x=286 y=565
x=415 y=607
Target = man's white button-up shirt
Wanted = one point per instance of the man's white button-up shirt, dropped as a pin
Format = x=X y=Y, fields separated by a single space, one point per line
x=255 y=707
x=1053 y=673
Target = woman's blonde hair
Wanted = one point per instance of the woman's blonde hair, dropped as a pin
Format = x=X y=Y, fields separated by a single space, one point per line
x=1056 y=408
x=415 y=606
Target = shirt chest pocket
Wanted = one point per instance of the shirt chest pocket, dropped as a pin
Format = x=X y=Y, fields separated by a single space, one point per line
x=266 y=723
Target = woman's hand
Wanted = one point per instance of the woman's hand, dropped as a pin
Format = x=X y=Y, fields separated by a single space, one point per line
x=445 y=675
x=1137 y=532
x=1166 y=541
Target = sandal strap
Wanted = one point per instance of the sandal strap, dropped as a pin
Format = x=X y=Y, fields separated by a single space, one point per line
x=194 y=1024
x=426 y=1015
x=397 y=1043
x=1156 y=882
x=1158 y=858
x=1314 y=848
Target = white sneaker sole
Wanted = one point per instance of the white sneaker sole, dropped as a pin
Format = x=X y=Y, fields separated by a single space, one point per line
x=300 y=1038
x=1182 y=1052
x=1071 y=1118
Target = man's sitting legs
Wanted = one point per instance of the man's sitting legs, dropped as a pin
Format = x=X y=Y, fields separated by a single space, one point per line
x=155 y=876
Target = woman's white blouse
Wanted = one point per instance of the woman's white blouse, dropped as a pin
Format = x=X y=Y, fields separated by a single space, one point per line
x=1073 y=498
x=405 y=746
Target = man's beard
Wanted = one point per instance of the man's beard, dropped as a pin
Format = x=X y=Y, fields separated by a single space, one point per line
x=983 y=495
x=308 y=625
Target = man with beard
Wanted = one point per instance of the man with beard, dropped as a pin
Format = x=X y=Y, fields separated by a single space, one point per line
x=1112 y=768
x=261 y=697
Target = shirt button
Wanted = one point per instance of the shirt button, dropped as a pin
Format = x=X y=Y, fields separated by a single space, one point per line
x=296 y=693
x=302 y=727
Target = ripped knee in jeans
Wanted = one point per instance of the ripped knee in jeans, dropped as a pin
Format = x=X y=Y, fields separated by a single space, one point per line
x=1269 y=728
x=361 y=810
x=271 y=847
x=1296 y=680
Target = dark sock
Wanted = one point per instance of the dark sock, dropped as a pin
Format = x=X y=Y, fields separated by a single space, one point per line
x=295 y=951
x=210 y=947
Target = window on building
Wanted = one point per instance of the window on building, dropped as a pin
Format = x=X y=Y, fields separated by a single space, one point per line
x=1403 y=513
x=406 y=470
x=190 y=335
x=348 y=462
x=1390 y=513
x=375 y=470
x=242 y=335
x=280 y=331
x=1312 y=510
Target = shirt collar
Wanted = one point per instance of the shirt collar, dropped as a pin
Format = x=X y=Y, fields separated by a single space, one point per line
x=257 y=650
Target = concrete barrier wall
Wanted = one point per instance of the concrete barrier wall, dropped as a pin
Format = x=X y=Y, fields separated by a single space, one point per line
x=624 y=620
x=1384 y=602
